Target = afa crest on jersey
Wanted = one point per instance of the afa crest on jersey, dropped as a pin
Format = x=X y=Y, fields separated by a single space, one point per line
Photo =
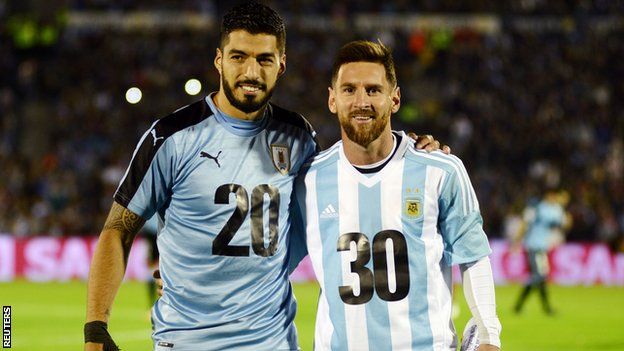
x=413 y=207
x=281 y=158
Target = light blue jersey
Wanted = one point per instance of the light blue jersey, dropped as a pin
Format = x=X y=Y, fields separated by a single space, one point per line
x=222 y=188
x=151 y=226
x=544 y=221
x=382 y=246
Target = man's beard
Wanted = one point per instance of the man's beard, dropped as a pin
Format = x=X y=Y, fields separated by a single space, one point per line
x=247 y=104
x=364 y=134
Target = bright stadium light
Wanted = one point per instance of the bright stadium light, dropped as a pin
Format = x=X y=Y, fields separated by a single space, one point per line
x=133 y=95
x=192 y=86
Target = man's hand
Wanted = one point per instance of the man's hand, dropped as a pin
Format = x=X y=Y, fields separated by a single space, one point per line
x=428 y=143
x=159 y=282
x=487 y=347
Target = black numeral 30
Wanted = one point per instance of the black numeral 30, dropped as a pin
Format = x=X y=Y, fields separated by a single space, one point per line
x=369 y=282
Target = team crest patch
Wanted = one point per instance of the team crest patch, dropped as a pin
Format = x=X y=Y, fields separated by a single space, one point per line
x=413 y=207
x=281 y=158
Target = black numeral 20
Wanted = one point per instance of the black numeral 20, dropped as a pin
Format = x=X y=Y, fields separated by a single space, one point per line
x=221 y=244
x=369 y=282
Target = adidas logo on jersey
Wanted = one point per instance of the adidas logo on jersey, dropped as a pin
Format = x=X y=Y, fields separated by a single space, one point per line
x=329 y=212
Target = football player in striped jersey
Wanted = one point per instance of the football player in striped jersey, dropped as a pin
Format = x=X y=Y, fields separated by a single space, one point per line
x=385 y=222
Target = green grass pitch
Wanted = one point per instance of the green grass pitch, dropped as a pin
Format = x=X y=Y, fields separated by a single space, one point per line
x=49 y=316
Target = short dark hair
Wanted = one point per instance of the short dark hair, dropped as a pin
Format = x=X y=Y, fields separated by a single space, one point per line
x=255 y=18
x=365 y=51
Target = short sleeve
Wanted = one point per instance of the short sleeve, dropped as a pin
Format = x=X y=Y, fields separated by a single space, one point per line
x=460 y=220
x=148 y=181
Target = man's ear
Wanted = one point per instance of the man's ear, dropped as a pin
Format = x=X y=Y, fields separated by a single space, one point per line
x=331 y=100
x=282 y=63
x=396 y=99
x=218 y=60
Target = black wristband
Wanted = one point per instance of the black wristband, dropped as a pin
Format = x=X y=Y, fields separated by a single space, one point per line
x=97 y=332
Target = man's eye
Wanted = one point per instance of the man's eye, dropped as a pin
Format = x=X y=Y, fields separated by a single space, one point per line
x=265 y=61
x=348 y=90
x=373 y=91
x=237 y=58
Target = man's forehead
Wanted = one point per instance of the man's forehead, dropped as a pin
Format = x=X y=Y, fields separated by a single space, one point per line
x=245 y=41
x=362 y=72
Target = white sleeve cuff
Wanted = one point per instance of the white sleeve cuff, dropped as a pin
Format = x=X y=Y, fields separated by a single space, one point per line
x=478 y=285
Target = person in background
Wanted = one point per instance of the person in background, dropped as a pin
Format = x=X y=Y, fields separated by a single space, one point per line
x=545 y=225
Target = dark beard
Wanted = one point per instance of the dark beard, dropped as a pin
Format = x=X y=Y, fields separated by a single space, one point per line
x=248 y=105
x=365 y=136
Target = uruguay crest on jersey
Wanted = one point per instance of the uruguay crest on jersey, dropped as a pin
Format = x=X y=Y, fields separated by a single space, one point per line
x=281 y=158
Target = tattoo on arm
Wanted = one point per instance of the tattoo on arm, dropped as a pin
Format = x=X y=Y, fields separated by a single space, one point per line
x=122 y=219
x=126 y=222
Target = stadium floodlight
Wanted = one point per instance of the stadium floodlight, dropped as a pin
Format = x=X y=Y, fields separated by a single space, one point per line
x=192 y=86
x=134 y=95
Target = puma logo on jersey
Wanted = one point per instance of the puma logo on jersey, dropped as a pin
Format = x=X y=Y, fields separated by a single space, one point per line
x=153 y=132
x=215 y=158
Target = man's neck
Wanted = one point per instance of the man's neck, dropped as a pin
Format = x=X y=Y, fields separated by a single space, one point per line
x=376 y=151
x=223 y=104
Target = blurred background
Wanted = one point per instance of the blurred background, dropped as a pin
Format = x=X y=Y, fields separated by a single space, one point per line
x=528 y=93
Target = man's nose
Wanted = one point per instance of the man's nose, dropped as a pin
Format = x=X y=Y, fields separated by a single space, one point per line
x=362 y=100
x=252 y=69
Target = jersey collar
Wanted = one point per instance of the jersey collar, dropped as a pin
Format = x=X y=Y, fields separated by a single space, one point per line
x=369 y=180
x=238 y=126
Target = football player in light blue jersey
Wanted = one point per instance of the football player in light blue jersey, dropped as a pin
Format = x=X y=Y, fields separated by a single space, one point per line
x=546 y=222
x=219 y=174
x=385 y=222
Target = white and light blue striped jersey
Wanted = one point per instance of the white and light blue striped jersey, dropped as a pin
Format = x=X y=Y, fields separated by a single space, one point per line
x=547 y=218
x=382 y=246
x=222 y=188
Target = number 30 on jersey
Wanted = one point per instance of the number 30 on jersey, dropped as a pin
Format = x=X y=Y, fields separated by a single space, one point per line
x=376 y=280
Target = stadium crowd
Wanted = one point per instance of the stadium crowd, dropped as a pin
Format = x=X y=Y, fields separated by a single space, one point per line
x=524 y=109
x=533 y=7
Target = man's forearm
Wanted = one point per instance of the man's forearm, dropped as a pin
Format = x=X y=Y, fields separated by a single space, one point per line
x=479 y=292
x=109 y=261
x=105 y=276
